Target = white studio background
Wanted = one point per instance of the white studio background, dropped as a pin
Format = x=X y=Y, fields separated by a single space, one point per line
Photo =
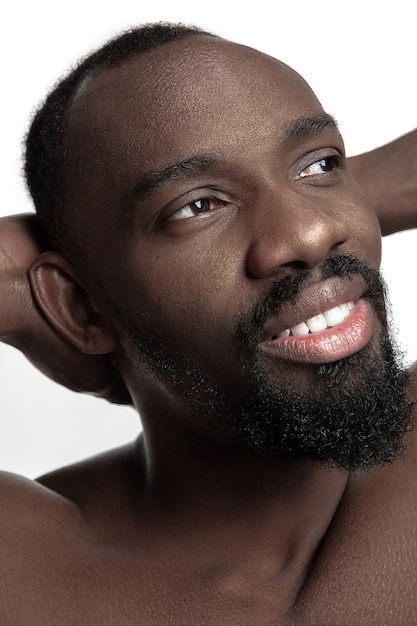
x=359 y=57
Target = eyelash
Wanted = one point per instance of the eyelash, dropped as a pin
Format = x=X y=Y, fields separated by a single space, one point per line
x=335 y=162
x=200 y=210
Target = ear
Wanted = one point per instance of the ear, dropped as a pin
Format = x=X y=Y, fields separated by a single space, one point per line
x=68 y=307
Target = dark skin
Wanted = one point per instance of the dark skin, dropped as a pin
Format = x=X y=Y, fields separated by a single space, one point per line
x=185 y=526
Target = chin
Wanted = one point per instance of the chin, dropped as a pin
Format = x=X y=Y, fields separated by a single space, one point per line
x=350 y=414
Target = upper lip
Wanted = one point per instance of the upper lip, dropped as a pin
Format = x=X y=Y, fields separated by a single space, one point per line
x=313 y=299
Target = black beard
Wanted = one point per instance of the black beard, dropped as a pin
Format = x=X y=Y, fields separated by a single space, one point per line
x=359 y=423
x=357 y=414
x=353 y=416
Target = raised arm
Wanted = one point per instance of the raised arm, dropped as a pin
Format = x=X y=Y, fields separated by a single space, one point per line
x=388 y=177
x=23 y=326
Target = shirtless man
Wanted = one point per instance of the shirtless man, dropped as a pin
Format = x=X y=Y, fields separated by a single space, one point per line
x=214 y=262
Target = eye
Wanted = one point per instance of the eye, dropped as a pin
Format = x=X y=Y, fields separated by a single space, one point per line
x=323 y=166
x=197 y=207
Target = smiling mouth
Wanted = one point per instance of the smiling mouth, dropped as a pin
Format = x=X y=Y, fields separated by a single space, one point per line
x=318 y=323
x=337 y=333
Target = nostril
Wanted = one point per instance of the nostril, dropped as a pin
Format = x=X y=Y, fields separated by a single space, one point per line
x=297 y=265
x=303 y=242
x=339 y=244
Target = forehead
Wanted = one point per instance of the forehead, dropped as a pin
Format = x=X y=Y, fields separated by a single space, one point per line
x=199 y=94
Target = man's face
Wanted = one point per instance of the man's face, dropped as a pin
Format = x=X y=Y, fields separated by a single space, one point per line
x=228 y=182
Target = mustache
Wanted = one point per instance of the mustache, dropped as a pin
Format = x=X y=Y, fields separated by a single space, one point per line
x=285 y=290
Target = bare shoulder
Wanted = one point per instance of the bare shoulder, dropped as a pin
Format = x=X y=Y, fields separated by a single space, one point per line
x=369 y=557
x=111 y=477
x=35 y=514
x=59 y=540
x=26 y=504
x=34 y=520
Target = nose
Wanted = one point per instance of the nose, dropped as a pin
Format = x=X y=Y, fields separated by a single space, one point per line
x=294 y=232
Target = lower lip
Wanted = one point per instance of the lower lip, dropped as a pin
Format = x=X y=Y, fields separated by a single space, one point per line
x=329 y=345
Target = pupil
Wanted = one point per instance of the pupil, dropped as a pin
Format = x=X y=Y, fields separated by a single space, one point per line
x=326 y=164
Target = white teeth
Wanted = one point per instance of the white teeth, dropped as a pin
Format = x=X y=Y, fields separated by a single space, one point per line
x=299 y=330
x=319 y=322
x=334 y=316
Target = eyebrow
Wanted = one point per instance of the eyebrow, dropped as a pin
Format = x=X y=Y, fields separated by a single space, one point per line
x=304 y=126
x=177 y=171
x=151 y=181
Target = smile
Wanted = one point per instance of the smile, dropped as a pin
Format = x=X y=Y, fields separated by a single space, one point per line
x=319 y=322
x=332 y=343
x=342 y=324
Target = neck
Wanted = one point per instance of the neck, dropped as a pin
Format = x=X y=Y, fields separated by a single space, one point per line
x=241 y=505
x=225 y=504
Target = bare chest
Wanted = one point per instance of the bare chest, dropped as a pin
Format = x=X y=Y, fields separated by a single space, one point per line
x=356 y=583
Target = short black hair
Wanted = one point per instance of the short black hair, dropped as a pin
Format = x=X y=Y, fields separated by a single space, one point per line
x=45 y=152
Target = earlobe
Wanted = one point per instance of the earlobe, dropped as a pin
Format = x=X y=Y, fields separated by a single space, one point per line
x=67 y=305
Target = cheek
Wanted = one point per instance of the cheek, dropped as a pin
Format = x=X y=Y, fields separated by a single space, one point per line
x=362 y=226
x=369 y=235
x=186 y=296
